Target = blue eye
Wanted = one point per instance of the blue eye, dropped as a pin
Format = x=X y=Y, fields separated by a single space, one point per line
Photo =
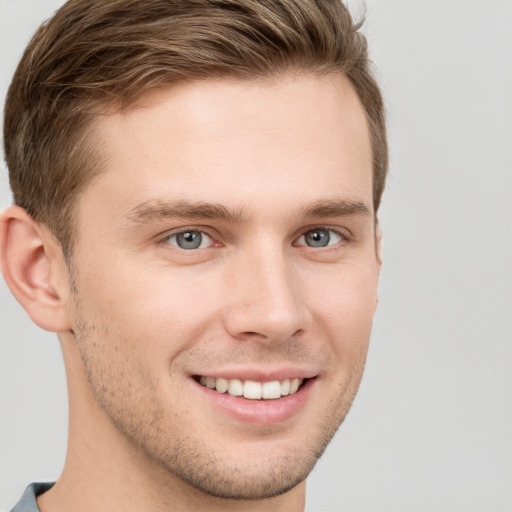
x=319 y=237
x=190 y=239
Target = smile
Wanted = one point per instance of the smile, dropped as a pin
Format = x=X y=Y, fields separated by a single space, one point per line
x=251 y=389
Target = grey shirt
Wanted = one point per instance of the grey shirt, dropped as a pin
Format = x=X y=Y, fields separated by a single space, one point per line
x=28 y=502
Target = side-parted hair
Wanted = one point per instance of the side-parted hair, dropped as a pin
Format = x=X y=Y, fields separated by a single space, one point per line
x=96 y=56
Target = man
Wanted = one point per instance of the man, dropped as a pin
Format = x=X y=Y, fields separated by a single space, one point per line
x=196 y=186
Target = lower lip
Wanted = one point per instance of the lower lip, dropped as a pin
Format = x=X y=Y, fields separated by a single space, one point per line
x=259 y=412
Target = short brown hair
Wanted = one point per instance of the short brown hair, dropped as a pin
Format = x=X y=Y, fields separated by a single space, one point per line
x=98 y=54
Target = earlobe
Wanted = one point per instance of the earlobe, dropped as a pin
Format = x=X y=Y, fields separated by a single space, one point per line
x=34 y=269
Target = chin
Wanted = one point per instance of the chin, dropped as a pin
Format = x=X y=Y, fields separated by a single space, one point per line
x=237 y=481
x=254 y=471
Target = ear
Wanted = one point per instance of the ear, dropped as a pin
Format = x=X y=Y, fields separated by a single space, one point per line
x=378 y=245
x=378 y=256
x=34 y=269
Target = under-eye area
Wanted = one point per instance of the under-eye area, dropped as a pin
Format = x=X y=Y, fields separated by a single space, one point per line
x=250 y=389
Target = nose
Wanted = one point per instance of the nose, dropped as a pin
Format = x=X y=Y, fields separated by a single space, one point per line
x=267 y=301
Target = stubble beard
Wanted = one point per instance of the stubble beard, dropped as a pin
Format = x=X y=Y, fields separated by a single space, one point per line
x=203 y=467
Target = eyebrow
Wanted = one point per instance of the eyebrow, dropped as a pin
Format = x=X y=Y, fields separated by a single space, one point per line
x=160 y=210
x=335 y=208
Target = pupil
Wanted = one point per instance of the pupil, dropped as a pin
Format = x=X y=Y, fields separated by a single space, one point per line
x=317 y=238
x=189 y=240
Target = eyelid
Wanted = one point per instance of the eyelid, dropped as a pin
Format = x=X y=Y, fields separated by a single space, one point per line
x=343 y=234
x=164 y=238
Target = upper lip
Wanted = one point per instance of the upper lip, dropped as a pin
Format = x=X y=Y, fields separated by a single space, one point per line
x=259 y=375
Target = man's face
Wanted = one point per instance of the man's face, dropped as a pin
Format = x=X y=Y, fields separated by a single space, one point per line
x=230 y=242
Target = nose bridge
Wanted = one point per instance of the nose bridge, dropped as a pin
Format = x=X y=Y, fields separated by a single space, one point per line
x=267 y=300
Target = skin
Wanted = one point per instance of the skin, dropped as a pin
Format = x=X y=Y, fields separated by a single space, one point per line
x=138 y=316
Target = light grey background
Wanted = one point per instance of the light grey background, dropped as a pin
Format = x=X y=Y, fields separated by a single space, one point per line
x=431 y=429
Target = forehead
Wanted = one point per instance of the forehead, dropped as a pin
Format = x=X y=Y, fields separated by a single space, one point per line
x=296 y=138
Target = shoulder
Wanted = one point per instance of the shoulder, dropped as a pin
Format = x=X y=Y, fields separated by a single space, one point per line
x=28 y=502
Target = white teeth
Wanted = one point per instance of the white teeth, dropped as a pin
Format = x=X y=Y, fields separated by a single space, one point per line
x=235 y=387
x=251 y=389
x=221 y=385
x=271 y=389
x=285 y=387
x=294 y=385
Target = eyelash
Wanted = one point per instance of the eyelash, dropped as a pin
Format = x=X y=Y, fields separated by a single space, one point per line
x=342 y=238
x=201 y=231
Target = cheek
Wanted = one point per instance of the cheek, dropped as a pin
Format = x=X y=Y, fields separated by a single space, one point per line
x=346 y=297
x=344 y=316
x=154 y=320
